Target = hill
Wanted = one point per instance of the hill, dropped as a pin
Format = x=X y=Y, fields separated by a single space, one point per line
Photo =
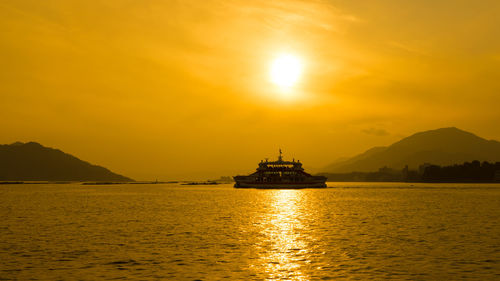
x=34 y=162
x=445 y=146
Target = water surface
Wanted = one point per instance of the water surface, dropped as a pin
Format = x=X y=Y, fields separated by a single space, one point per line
x=353 y=231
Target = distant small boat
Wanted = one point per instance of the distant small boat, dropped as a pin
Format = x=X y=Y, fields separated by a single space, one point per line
x=200 y=183
x=280 y=174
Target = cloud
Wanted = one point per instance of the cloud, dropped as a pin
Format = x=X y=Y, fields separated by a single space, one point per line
x=375 y=132
x=410 y=48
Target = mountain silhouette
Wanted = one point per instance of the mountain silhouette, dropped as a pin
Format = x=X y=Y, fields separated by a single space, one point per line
x=445 y=146
x=34 y=162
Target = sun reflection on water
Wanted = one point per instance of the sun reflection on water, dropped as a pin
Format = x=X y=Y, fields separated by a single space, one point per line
x=283 y=247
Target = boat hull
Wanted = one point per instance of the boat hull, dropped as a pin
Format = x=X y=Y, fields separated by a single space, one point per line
x=278 y=185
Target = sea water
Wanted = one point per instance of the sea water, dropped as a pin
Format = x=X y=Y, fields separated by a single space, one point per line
x=352 y=231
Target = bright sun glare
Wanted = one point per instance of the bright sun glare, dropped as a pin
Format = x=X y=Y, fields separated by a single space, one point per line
x=286 y=70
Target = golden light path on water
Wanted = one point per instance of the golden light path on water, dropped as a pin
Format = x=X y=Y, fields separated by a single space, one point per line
x=284 y=246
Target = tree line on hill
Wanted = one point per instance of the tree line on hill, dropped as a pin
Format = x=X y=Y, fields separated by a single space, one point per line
x=474 y=171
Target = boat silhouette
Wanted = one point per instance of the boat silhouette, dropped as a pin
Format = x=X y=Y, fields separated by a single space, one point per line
x=280 y=174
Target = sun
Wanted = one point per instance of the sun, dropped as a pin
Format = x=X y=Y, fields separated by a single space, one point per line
x=286 y=70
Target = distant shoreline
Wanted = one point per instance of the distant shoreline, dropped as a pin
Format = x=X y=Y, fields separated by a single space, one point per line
x=191 y=183
x=87 y=182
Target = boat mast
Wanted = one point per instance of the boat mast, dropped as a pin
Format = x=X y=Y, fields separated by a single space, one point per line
x=280 y=158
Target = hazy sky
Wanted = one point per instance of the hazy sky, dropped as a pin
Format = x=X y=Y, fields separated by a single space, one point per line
x=181 y=89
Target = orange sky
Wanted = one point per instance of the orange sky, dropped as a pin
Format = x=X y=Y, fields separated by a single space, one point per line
x=181 y=89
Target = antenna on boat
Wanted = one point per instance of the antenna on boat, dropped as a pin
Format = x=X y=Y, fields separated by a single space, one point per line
x=280 y=158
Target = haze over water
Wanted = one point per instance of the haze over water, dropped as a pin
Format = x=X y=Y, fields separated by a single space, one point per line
x=355 y=231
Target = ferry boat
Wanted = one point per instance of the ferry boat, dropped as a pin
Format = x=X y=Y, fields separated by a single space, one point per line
x=280 y=174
